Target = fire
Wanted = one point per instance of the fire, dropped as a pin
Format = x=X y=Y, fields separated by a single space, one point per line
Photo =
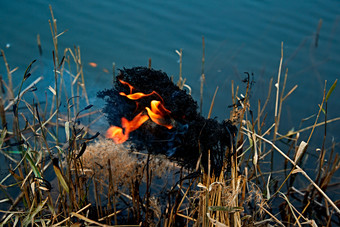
x=118 y=135
x=136 y=96
x=156 y=112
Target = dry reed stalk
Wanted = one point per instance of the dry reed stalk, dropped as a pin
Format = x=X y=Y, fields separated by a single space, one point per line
x=88 y=220
x=273 y=217
x=233 y=98
x=278 y=103
x=265 y=104
x=68 y=218
x=183 y=198
x=57 y=66
x=277 y=85
x=82 y=83
x=315 y=125
x=110 y=190
x=54 y=32
x=18 y=97
x=235 y=186
x=9 y=76
x=212 y=103
x=281 y=101
x=323 y=150
x=291 y=207
x=2 y=111
x=180 y=82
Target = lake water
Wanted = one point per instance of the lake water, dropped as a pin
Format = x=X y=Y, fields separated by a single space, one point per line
x=240 y=36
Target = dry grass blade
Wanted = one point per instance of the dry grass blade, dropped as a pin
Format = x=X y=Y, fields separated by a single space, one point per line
x=23 y=92
x=256 y=155
x=289 y=93
x=277 y=85
x=88 y=220
x=110 y=215
x=266 y=102
x=180 y=80
x=273 y=217
x=30 y=217
x=215 y=222
x=60 y=176
x=310 y=127
x=300 y=151
x=291 y=208
x=8 y=217
x=317 y=117
x=66 y=219
x=212 y=103
x=9 y=75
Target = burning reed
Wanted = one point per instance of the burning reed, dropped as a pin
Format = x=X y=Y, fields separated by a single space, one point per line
x=147 y=108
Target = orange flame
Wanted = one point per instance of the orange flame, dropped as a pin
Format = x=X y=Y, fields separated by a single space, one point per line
x=157 y=113
x=126 y=83
x=118 y=135
x=138 y=95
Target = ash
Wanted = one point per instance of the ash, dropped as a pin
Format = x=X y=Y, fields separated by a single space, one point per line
x=192 y=134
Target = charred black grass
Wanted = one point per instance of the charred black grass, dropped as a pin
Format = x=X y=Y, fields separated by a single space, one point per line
x=192 y=134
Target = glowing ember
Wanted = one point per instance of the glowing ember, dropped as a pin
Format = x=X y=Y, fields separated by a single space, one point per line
x=157 y=113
